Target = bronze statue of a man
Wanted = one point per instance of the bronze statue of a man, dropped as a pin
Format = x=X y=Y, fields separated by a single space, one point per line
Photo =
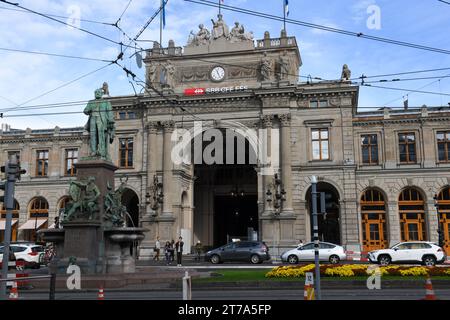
x=100 y=125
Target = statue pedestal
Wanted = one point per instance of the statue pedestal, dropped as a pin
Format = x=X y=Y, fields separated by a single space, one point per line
x=103 y=171
x=84 y=241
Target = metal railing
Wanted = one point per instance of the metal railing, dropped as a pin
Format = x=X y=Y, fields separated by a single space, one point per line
x=52 y=278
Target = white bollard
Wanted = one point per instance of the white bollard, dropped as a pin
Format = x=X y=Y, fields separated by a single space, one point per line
x=187 y=293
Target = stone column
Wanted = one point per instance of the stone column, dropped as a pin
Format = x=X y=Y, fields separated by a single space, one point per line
x=167 y=168
x=286 y=162
x=267 y=170
x=152 y=152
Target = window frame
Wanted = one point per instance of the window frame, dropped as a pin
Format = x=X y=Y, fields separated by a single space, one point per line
x=369 y=147
x=127 y=151
x=44 y=161
x=446 y=143
x=73 y=170
x=320 y=140
x=407 y=144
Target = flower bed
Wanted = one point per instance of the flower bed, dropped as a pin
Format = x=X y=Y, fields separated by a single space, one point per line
x=352 y=270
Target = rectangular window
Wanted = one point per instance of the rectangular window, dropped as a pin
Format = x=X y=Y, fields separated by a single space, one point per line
x=318 y=103
x=407 y=147
x=71 y=159
x=369 y=149
x=126 y=152
x=320 y=144
x=41 y=163
x=122 y=115
x=443 y=141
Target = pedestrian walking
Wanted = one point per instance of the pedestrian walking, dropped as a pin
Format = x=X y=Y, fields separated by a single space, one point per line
x=179 y=248
x=157 y=249
x=167 y=249
x=198 y=250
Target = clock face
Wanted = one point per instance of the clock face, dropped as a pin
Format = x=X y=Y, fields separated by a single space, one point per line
x=218 y=73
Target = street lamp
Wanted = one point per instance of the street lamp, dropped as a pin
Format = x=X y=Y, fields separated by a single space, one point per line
x=314 y=194
x=155 y=196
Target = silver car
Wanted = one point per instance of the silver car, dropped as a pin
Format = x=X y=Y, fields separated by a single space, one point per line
x=327 y=252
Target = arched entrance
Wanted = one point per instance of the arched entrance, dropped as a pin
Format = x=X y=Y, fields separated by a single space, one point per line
x=38 y=218
x=131 y=201
x=225 y=191
x=444 y=216
x=329 y=224
x=15 y=219
x=373 y=211
x=411 y=208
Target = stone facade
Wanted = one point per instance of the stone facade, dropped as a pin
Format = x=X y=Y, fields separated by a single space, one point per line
x=294 y=113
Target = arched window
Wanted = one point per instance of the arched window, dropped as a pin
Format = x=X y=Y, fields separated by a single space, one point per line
x=38 y=218
x=411 y=207
x=15 y=216
x=373 y=211
x=39 y=208
x=444 y=216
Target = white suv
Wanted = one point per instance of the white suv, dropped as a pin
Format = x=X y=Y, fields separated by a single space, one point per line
x=31 y=254
x=423 y=252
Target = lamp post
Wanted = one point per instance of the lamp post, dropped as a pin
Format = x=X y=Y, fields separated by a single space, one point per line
x=439 y=230
x=315 y=234
x=155 y=196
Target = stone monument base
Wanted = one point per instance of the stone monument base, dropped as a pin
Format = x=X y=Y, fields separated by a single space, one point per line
x=83 y=240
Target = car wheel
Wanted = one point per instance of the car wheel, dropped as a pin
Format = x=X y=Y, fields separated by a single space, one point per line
x=429 y=261
x=334 y=259
x=215 y=259
x=293 y=259
x=384 y=260
x=255 y=259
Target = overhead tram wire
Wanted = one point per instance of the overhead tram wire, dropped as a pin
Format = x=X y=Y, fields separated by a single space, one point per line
x=53 y=54
x=62 y=22
x=399 y=73
x=318 y=26
x=406 y=90
x=57 y=16
x=62 y=86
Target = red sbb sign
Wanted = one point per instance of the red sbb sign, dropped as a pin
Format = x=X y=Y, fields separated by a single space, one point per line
x=194 y=91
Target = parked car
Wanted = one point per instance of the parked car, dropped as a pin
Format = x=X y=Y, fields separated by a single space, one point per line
x=327 y=252
x=253 y=251
x=423 y=252
x=31 y=254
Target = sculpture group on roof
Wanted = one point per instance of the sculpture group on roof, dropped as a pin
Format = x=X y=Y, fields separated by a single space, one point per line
x=219 y=30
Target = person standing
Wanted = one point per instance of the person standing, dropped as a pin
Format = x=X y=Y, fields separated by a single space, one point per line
x=157 y=249
x=172 y=250
x=167 y=252
x=198 y=250
x=179 y=248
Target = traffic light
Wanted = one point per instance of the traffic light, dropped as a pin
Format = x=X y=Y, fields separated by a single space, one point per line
x=3 y=169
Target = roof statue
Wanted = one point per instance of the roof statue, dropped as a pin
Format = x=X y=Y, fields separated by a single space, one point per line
x=346 y=73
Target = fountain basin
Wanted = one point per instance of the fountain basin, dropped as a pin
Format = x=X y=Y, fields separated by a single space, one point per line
x=119 y=244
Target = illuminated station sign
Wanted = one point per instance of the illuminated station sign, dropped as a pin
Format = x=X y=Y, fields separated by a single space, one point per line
x=203 y=91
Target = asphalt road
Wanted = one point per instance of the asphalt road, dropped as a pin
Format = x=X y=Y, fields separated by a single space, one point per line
x=260 y=294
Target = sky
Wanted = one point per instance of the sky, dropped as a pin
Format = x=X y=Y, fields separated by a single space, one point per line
x=26 y=78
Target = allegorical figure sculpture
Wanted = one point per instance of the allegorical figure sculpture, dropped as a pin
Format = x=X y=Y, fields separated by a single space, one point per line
x=167 y=75
x=266 y=67
x=115 y=211
x=238 y=33
x=346 y=73
x=84 y=200
x=100 y=125
x=283 y=63
x=202 y=36
x=220 y=28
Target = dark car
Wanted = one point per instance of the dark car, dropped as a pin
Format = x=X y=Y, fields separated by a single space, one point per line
x=253 y=251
